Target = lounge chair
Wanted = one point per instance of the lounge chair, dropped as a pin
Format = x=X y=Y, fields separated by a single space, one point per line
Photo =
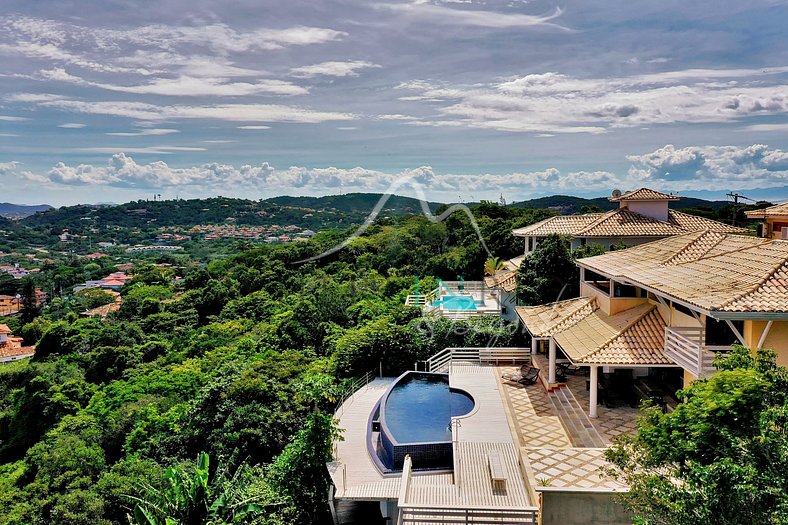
x=526 y=376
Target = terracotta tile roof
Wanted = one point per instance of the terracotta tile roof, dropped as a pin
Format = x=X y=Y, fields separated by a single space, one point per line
x=644 y=194
x=4 y=329
x=548 y=319
x=505 y=279
x=624 y=223
x=560 y=224
x=778 y=210
x=733 y=273
x=10 y=350
x=633 y=337
x=693 y=223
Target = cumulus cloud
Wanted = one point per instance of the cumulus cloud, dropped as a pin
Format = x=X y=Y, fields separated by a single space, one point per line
x=333 y=69
x=122 y=171
x=702 y=167
x=557 y=103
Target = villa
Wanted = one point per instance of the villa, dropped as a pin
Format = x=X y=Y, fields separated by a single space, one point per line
x=643 y=216
x=483 y=449
x=651 y=318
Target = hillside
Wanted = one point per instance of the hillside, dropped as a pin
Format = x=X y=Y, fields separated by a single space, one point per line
x=17 y=211
x=354 y=203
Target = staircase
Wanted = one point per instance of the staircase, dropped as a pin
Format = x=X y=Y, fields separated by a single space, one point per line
x=576 y=422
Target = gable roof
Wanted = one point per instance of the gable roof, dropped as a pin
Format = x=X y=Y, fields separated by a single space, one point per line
x=623 y=222
x=644 y=194
x=505 y=279
x=728 y=273
x=548 y=319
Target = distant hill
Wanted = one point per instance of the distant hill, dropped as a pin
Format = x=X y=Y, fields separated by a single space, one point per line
x=354 y=203
x=17 y=211
x=568 y=204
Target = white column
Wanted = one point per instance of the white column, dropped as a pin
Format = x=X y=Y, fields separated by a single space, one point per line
x=551 y=360
x=534 y=345
x=592 y=395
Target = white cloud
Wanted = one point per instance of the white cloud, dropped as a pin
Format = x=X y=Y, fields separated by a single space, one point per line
x=228 y=112
x=72 y=125
x=443 y=15
x=557 y=103
x=163 y=150
x=254 y=127
x=8 y=118
x=144 y=132
x=187 y=86
x=702 y=167
x=8 y=135
x=333 y=69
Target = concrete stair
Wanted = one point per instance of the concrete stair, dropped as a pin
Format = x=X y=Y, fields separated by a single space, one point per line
x=574 y=419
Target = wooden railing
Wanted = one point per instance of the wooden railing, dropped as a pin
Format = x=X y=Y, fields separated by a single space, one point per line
x=686 y=347
x=441 y=361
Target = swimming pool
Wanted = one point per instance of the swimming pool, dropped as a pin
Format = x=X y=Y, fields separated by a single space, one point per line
x=456 y=302
x=415 y=419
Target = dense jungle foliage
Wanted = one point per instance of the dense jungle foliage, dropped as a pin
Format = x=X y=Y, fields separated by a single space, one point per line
x=208 y=397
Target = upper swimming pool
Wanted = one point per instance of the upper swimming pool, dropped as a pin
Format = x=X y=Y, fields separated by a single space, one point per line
x=458 y=302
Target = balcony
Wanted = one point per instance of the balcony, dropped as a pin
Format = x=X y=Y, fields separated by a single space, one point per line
x=687 y=348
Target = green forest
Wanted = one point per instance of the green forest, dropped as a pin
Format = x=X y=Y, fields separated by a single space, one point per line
x=208 y=397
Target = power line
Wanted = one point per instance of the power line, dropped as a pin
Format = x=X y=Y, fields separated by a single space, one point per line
x=736 y=197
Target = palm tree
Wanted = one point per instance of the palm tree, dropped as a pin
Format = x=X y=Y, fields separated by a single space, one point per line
x=492 y=265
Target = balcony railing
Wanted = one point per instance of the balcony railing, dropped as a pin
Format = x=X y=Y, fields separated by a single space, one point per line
x=686 y=347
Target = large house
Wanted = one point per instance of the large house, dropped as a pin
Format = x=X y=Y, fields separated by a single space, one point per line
x=643 y=215
x=662 y=310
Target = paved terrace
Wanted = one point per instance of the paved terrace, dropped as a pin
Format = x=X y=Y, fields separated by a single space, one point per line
x=562 y=446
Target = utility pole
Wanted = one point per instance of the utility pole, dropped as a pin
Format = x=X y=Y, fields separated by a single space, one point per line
x=736 y=197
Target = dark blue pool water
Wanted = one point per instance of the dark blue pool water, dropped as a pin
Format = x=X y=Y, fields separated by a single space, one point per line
x=419 y=409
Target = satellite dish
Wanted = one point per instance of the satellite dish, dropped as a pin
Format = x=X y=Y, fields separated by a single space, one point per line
x=616 y=193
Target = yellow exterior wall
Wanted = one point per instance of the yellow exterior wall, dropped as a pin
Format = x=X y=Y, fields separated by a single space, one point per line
x=610 y=305
x=777 y=339
x=688 y=378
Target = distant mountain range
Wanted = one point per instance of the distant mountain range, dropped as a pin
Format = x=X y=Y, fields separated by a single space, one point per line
x=17 y=211
x=568 y=204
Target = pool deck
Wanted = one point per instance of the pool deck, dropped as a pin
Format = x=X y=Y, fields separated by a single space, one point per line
x=486 y=428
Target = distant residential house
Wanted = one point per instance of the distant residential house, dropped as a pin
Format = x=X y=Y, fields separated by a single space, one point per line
x=11 y=348
x=9 y=305
x=774 y=219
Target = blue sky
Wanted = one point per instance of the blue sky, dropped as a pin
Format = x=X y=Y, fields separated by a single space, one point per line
x=467 y=99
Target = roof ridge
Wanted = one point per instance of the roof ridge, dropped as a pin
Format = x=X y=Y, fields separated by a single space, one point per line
x=622 y=332
x=592 y=302
x=603 y=216
x=760 y=284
